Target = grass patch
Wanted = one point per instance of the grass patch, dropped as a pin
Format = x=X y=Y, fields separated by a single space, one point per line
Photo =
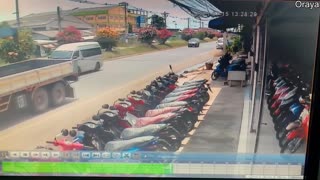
x=142 y=48
x=2 y=62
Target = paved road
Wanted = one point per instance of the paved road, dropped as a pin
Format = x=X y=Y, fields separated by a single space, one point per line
x=117 y=78
x=119 y=72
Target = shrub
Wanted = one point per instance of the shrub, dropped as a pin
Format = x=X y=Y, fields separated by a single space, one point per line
x=187 y=34
x=200 y=35
x=69 y=35
x=147 y=34
x=236 y=45
x=163 y=35
x=107 y=38
x=12 y=51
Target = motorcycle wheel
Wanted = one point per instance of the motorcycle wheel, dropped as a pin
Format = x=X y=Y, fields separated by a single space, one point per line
x=291 y=145
x=284 y=146
x=98 y=145
x=281 y=133
x=214 y=75
x=163 y=146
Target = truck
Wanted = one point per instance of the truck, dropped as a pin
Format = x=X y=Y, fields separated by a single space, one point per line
x=36 y=84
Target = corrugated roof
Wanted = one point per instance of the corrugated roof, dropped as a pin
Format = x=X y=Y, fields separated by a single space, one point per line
x=50 y=19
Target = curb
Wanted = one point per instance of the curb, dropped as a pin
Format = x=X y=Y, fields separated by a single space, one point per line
x=138 y=54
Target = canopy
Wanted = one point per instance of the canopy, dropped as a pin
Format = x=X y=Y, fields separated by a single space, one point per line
x=223 y=13
x=7 y=32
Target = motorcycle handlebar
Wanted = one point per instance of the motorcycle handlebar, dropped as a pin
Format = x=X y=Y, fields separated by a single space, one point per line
x=50 y=142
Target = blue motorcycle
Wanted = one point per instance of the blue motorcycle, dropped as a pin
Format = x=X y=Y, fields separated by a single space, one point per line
x=224 y=67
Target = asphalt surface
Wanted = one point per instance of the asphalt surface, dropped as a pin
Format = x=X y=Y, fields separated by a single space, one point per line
x=25 y=131
x=121 y=71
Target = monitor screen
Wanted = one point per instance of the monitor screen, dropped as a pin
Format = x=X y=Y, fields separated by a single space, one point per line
x=161 y=88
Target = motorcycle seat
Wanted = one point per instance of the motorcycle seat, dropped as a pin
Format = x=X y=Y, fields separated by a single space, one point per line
x=156 y=112
x=172 y=104
x=290 y=94
x=196 y=81
x=130 y=133
x=287 y=102
x=175 y=98
x=180 y=93
x=144 y=121
x=122 y=145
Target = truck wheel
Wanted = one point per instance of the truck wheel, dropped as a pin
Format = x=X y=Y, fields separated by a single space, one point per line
x=40 y=100
x=58 y=94
x=79 y=70
x=97 y=67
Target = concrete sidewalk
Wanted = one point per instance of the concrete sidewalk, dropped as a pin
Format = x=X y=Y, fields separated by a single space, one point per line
x=219 y=131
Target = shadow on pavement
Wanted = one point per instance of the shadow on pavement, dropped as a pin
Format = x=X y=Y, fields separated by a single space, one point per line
x=13 y=117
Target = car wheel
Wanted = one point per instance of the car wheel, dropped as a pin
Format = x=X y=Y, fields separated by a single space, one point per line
x=97 y=67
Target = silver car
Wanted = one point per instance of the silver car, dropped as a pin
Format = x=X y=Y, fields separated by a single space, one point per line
x=220 y=43
x=194 y=42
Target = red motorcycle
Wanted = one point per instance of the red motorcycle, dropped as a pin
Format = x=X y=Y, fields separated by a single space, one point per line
x=297 y=133
x=66 y=145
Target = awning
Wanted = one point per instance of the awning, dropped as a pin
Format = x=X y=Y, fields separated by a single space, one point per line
x=7 y=32
x=227 y=13
x=224 y=22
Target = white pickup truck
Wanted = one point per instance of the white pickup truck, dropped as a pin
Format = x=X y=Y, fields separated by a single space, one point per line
x=36 y=84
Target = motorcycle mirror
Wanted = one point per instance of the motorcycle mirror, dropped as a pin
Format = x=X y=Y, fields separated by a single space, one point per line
x=105 y=106
x=96 y=117
x=121 y=99
x=73 y=133
x=64 y=132
x=170 y=68
x=133 y=92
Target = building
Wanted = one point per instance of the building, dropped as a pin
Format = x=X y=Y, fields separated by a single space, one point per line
x=49 y=21
x=109 y=16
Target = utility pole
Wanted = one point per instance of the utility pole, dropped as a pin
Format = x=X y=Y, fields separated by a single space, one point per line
x=59 y=18
x=17 y=14
x=165 y=15
x=125 y=4
x=200 y=23
x=188 y=23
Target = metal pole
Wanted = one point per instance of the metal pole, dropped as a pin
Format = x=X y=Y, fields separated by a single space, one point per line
x=125 y=18
x=188 y=23
x=165 y=14
x=17 y=14
x=59 y=18
x=265 y=57
x=257 y=52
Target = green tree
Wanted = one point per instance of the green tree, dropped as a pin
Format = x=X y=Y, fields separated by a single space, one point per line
x=200 y=35
x=4 y=24
x=158 y=22
x=12 y=51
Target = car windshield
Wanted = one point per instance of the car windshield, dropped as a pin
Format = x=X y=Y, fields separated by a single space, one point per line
x=61 y=55
x=194 y=39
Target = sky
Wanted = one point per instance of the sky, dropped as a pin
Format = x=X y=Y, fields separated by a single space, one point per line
x=26 y=7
